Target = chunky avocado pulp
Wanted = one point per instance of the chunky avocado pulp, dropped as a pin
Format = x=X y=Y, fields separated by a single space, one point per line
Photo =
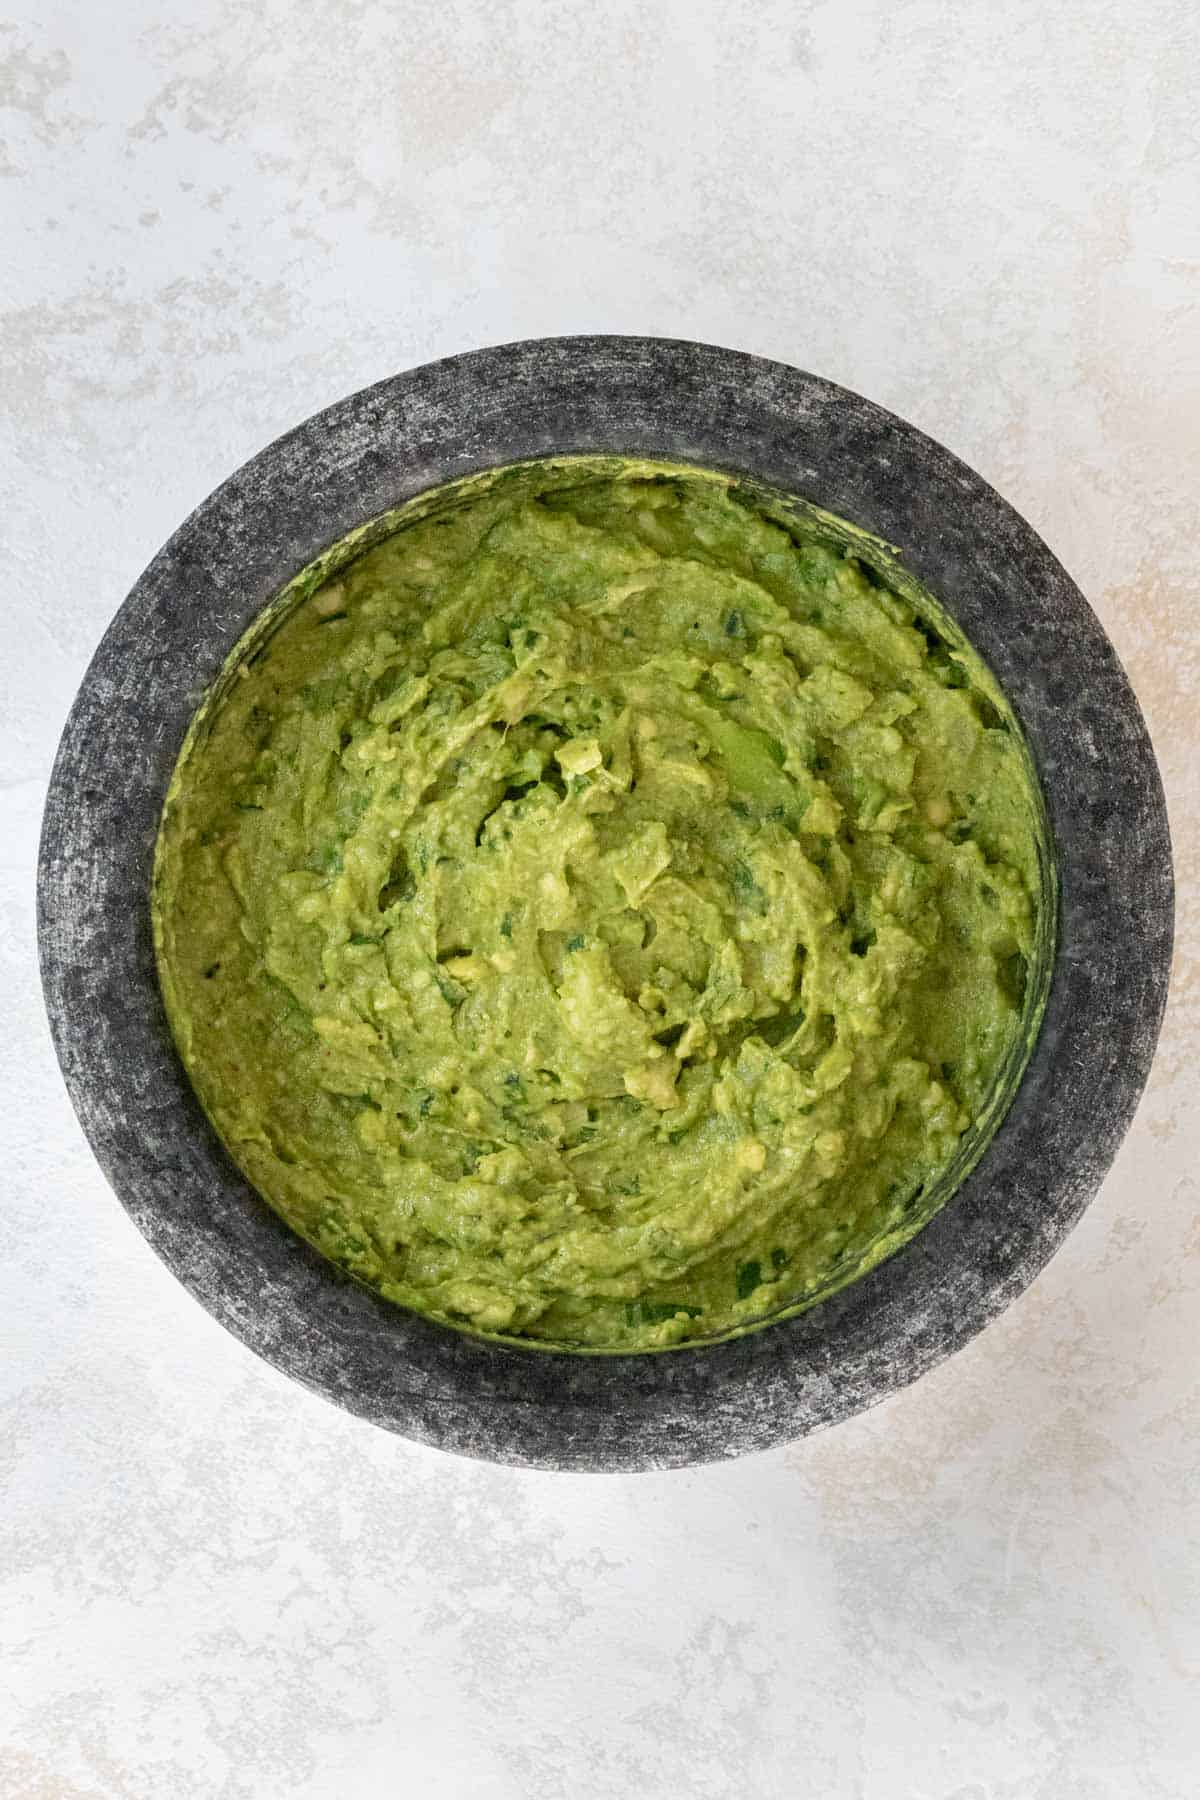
x=604 y=913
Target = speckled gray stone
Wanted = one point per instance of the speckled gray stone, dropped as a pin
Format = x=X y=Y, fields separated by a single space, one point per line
x=806 y=437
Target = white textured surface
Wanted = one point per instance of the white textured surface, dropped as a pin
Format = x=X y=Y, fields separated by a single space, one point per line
x=218 y=217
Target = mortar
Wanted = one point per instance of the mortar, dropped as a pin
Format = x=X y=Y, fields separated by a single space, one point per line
x=338 y=474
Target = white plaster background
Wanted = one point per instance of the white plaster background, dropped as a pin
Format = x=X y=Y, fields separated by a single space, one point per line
x=218 y=217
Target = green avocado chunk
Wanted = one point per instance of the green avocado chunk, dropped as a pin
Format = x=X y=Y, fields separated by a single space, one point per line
x=605 y=912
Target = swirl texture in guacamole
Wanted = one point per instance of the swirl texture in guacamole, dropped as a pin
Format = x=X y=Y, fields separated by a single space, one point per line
x=603 y=914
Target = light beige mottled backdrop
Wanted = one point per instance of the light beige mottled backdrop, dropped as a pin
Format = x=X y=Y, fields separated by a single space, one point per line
x=222 y=215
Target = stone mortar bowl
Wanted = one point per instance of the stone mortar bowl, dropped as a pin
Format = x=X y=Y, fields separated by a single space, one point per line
x=680 y=402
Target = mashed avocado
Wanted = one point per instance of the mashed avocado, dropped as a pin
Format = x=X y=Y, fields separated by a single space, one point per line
x=603 y=913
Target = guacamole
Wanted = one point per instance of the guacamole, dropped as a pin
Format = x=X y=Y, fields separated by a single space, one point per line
x=604 y=912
